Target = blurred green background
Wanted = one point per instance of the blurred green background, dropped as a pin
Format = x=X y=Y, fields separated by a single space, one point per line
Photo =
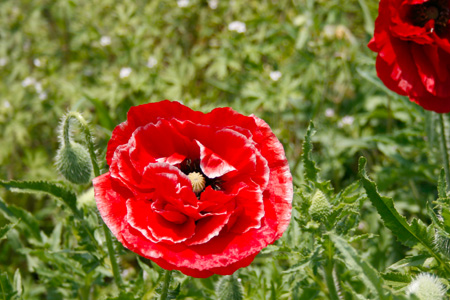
x=286 y=61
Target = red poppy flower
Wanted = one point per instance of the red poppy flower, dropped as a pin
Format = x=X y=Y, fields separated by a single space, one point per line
x=199 y=193
x=412 y=38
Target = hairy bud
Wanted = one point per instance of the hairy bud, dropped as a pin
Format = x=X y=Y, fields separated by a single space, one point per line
x=320 y=207
x=74 y=163
x=426 y=287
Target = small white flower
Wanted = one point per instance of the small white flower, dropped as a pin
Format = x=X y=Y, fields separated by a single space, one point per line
x=125 y=72
x=38 y=87
x=43 y=95
x=183 y=3
x=426 y=287
x=237 y=26
x=346 y=121
x=275 y=75
x=105 y=41
x=151 y=62
x=6 y=104
x=37 y=62
x=213 y=4
x=3 y=61
x=28 y=81
x=329 y=113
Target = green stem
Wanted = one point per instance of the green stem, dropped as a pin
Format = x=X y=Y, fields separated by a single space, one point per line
x=112 y=256
x=444 y=148
x=329 y=271
x=90 y=143
x=165 y=289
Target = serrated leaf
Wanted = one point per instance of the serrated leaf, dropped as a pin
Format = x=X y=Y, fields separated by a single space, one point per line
x=311 y=170
x=229 y=288
x=367 y=273
x=412 y=261
x=407 y=234
x=56 y=190
x=5 y=229
x=14 y=214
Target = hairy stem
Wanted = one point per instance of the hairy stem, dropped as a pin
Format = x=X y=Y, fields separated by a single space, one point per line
x=165 y=289
x=333 y=294
x=90 y=143
x=112 y=256
x=444 y=149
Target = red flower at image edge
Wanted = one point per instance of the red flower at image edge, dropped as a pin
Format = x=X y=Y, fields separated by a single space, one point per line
x=200 y=193
x=412 y=38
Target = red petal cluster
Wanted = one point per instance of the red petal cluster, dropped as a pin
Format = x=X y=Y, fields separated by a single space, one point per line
x=412 y=38
x=147 y=201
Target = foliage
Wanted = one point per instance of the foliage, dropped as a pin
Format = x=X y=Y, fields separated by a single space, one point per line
x=362 y=228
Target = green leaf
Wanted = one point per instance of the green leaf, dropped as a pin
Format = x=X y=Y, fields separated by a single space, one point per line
x=367 y=273
x=5 y=229
x=14 y=214
x=311 y=170
x=229 y=288
x=6 y=288
x=413 y=261
x=18 y=286
x=56 y=190
x=408 y=234
x=124 y=296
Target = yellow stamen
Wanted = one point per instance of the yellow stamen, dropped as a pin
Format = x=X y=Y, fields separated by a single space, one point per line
x=198 y=182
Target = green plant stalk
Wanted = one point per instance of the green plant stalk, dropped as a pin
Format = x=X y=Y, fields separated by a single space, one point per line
x=165 y=289
x=90 y=143
x=329 y=271
x=444 y=148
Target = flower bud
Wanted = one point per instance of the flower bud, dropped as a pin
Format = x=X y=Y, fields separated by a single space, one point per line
x=426 y=287
x=74 y=163
x=320 y=207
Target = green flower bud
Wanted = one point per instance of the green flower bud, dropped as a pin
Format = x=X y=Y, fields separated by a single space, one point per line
x=320 y=207
x=442 y=244
x=74 y=163
x=426 y=287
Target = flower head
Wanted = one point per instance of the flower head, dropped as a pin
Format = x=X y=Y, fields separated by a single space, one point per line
x=199 y=193
x=426 y=287
x=105 y=41
x=151 y=62
x=213 y=4
x=183 y=3
x=125 y=72
x=412 y=39
x=237 y=26
x=275 y=75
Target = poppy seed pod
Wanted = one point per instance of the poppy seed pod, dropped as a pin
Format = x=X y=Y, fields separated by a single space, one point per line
x=320 y=207
x=74 y=163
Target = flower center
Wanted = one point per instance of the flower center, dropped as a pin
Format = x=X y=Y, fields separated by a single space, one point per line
x=192 y=169
x=198 y=182
x=437 y=10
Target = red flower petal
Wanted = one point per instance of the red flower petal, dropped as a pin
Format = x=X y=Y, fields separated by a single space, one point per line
x=155 y=227
x=158 y=214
